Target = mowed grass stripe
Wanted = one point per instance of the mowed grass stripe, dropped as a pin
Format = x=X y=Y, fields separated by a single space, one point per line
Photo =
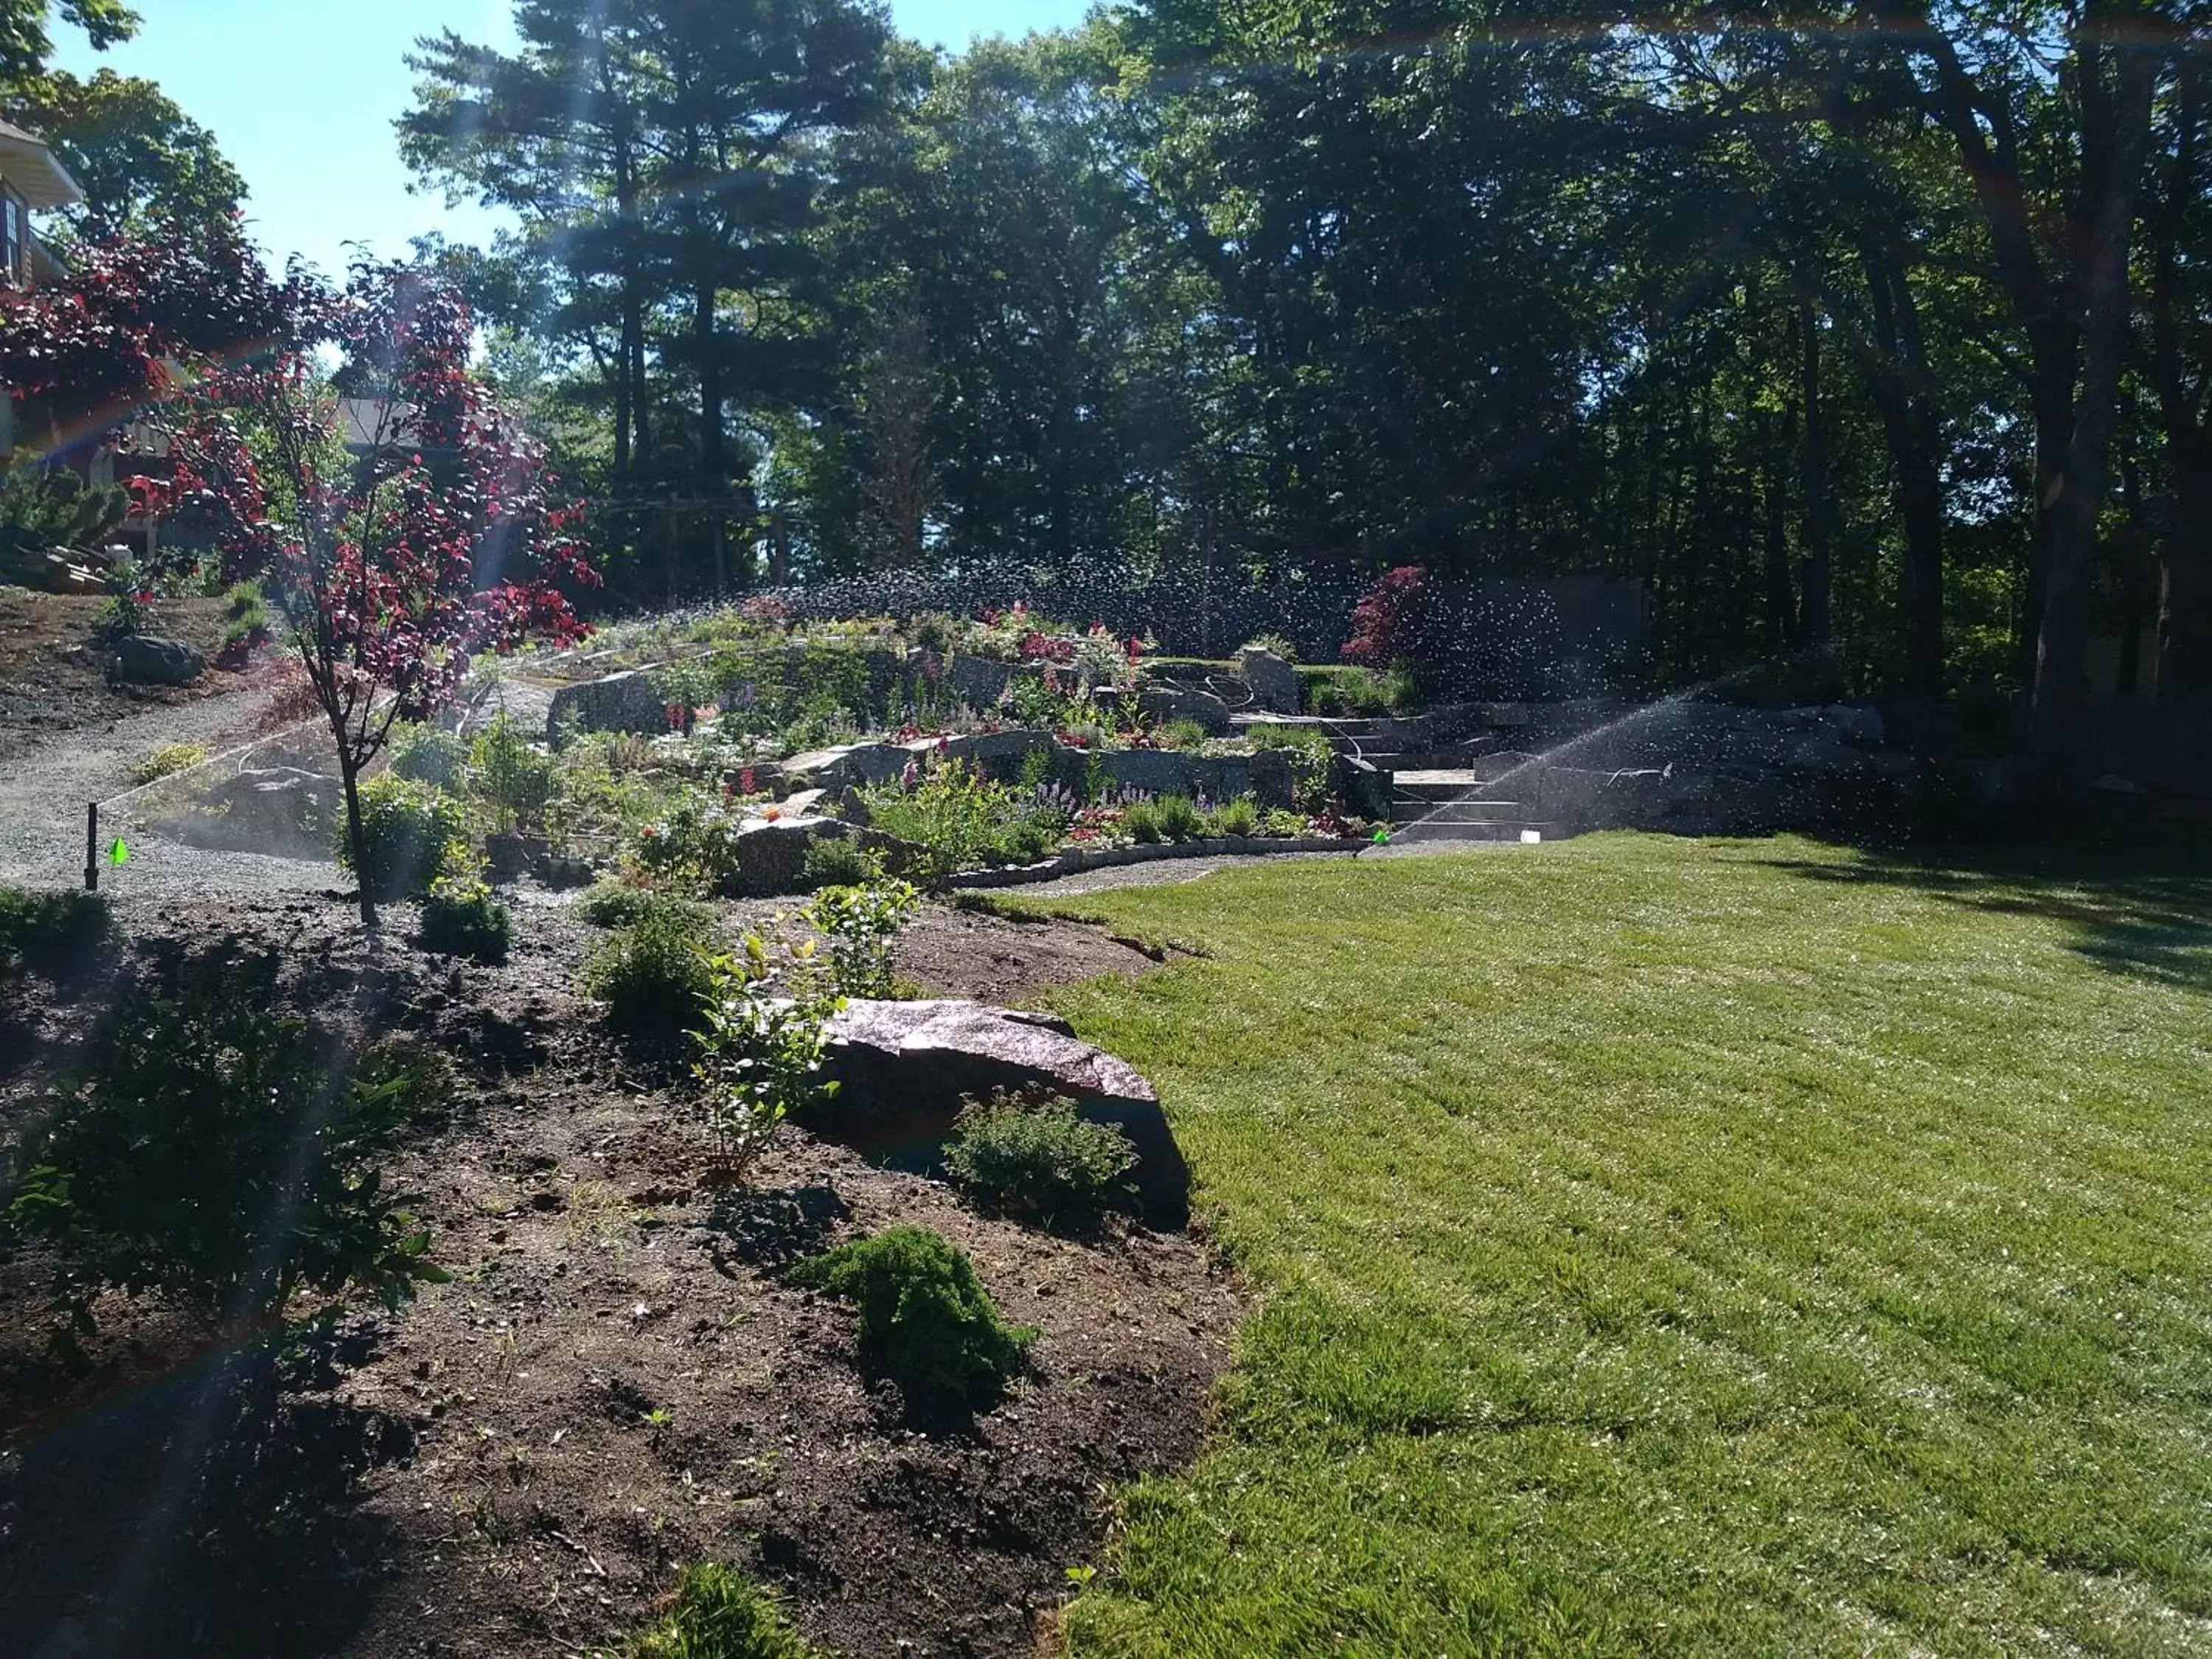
x=1682 y=1247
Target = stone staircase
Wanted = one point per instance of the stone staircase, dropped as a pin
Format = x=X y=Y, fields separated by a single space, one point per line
x=1435 y=797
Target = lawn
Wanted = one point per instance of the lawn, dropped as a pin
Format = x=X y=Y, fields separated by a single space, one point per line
x=1687 y=1247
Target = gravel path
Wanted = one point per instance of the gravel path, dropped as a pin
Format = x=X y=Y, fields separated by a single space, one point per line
x=44 y=789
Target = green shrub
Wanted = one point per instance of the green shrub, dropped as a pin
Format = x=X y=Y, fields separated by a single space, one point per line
x=656 y=975
x=926 y=1322
x=613 y=905
x=719 y=1614
x=431 y=755
x=215 y=1158
x=512 y=776
x=1179 y=817
x=1039 y=1160
x=1181 y=734
x=1240 y=817
x=953 y=820
x=169 y=760
x=410 y=835
x=838 y=861
x=767 y=1020
x=862 y=924
x=56 y=930
x=1141 y=818
x=1275 y=643
x=1281 y=820
x=44 y=507
x=461 y=918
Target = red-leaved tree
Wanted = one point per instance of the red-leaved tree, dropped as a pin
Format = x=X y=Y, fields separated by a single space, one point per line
x=84 y=353
x=402 y=520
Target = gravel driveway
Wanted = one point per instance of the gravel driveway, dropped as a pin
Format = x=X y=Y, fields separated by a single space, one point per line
x=44 y=789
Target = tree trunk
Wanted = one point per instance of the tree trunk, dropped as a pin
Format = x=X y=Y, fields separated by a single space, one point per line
x=356 y=838
x=2062 y=640
x=1813 y=625
x=1782 y=634
x=1898 y=380
x=2185 y=588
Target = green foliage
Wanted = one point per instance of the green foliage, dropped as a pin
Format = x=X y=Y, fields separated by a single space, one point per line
x=926 y=1322
x=1353 y=690
x=1313 y=762
x=656 y=975
x=169 y=760
x=213 y=1156
x=1039 y=1159
x=719 y=1614
x=410 y=835
x=1275 y=643
x=1179 y=817
x=613 y=905
x=862 y=924
x=431 y=755
x=42 y=508
x=1240 y=817
x=767 y=1020
x=955 y=821
x=461 y=918
x=1141 y=818
x=55 y=931
x=838 y=861
x=1181 y=734
x=514 y=777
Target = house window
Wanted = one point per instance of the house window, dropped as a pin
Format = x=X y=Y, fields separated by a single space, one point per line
x=11 y=239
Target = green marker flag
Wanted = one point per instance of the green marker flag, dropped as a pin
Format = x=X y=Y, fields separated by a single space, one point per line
x=118 y=853
x=1382 y=837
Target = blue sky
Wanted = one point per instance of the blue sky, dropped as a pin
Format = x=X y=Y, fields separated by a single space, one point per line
x=301 y=94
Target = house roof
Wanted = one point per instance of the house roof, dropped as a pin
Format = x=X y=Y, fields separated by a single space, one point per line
x=28 y=163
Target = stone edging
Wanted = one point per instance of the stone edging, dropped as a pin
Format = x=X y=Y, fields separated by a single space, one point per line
x=1077 y=860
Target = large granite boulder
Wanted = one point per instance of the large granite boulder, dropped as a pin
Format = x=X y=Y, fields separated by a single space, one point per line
x=628 y=701
x=1275 y=682
x=904 y=1070
x=279 y=809
x=149 y=659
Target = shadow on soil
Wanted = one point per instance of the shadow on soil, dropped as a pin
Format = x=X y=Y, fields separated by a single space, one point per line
x=2137 y=904
x=242 y=1490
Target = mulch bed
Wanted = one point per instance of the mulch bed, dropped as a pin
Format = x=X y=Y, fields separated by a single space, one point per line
x=617 y=1381
x=53 y=673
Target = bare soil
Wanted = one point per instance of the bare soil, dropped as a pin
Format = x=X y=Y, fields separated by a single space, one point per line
x=618 y=1379
x=53 y=673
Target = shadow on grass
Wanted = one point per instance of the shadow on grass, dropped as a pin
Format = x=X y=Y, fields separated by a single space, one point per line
x=215 y=1508
x=2141 y=908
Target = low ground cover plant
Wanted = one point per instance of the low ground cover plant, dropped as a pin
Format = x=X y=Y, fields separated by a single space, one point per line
x=52 y=931
x=615 y=905
x=461 y=918
x=169 y=760
x=838 y=861
x=410 y=835
x=221 y=1159
x=926 y=1322
x=1034 y=1157
x=656 y=973
x=718 y=1613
